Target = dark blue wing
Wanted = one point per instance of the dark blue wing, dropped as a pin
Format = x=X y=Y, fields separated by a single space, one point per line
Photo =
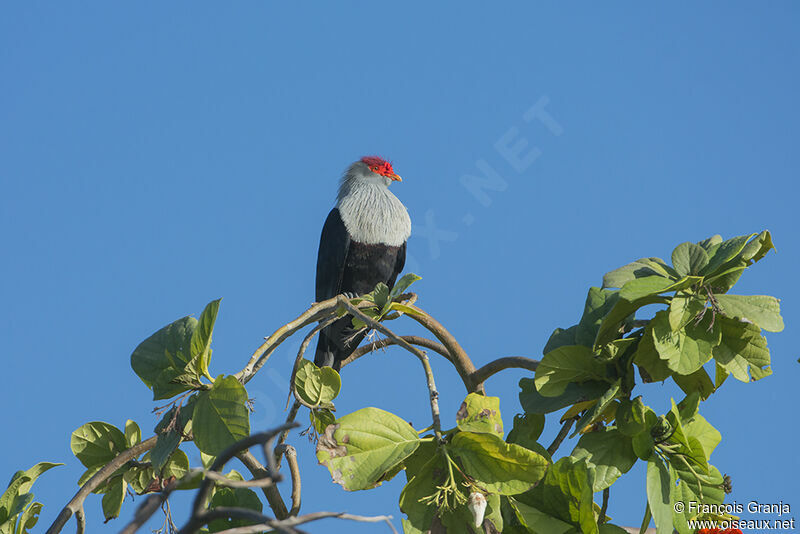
x=333 y=246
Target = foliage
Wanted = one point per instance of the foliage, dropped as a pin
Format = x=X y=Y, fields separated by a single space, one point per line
x=649 y=322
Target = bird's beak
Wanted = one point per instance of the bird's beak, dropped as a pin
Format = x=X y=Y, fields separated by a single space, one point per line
x=396 y=178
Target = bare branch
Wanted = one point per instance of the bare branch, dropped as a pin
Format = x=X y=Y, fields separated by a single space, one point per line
x=294 y=469
x=222 y=480
x=386 y=342
x=423 y=358
x=75 y=506
x=149 y=507
x=561 y=435
x=458 y=355
x=271 y=492
x=317 y=312
x=307 y=518
x=282 y=438
x=491 y=368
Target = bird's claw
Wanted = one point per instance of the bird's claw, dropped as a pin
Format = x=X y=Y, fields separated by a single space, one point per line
x=349 y=295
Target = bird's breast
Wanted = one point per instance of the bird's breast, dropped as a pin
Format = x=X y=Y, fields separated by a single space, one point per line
x=374 y=216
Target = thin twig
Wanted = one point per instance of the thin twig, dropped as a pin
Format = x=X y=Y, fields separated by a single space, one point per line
x=604 y=508
x=458 y=355
x=423 y=358
x=76 y=504
x=561 y=435
x=386 y=342
x=222 y=480
x=150 y=506
x=307 y=518
x=282 y=438
x=294 y=470
x=272 y=493
x=508 y=362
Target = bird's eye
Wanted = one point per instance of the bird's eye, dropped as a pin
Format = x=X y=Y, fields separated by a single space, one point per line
x=374 y=168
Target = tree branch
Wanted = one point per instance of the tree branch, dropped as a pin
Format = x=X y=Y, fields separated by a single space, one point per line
x=272 y=493
x=458 y=355
x=491 y=368
x=75 y=506
x=561 y=435
x=386 y=342
x=294 y=469
x=307 y=518
x=423 y=358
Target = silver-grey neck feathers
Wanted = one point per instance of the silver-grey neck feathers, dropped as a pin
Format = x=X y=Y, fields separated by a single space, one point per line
x=370 y=212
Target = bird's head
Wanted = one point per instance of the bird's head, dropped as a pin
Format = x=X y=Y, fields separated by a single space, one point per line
x=373 y=169
x=380 y=167
x=368 y=171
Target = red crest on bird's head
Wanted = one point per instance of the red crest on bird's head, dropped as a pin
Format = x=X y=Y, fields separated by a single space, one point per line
x=380 y=166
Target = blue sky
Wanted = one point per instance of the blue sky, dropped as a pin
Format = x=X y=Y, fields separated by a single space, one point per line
x=154 y=157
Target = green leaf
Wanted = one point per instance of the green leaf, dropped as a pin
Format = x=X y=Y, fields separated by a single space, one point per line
x=595 y=412
x=726 y=279
x=566 y=494
x=762 y=310
x=643 y=446
x=177 y=466
x=631 y=417
x=687 y=350
x=165 y=446
x=526 y=431
x=659 y=486
x=361 y=447
x=647 y=358
x=538 y=522
x=598 y=303
x=708 y=243
x=35 y=472
x=561 y=337
x=401 y=285
x=742 y=346
x=220 y=416
x=321 y=418
x=684 y=309
x=402 y=308
x=610 y=328
x=162 y=357
x=422 y=484
x=233 y=498
x=758 y=247
x=201 y=340
x=638 y=269
x=535 y=403
x=499 y=467
x=112 y=499
x=609 y=451
x=97 y=443
x=654 y=285
x=725 y=252
x=133 y=435
x=29 y=518
x=315 y=385
x=701 y=430
x=565 y=365
x=9 y=495
x=479 y=413
x=689 y=259
x=699 y=382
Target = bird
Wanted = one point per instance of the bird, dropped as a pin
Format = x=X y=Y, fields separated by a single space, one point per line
x=363 y=243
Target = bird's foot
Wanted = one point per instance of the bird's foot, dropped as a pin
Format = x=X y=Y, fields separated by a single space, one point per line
x=349 y=295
